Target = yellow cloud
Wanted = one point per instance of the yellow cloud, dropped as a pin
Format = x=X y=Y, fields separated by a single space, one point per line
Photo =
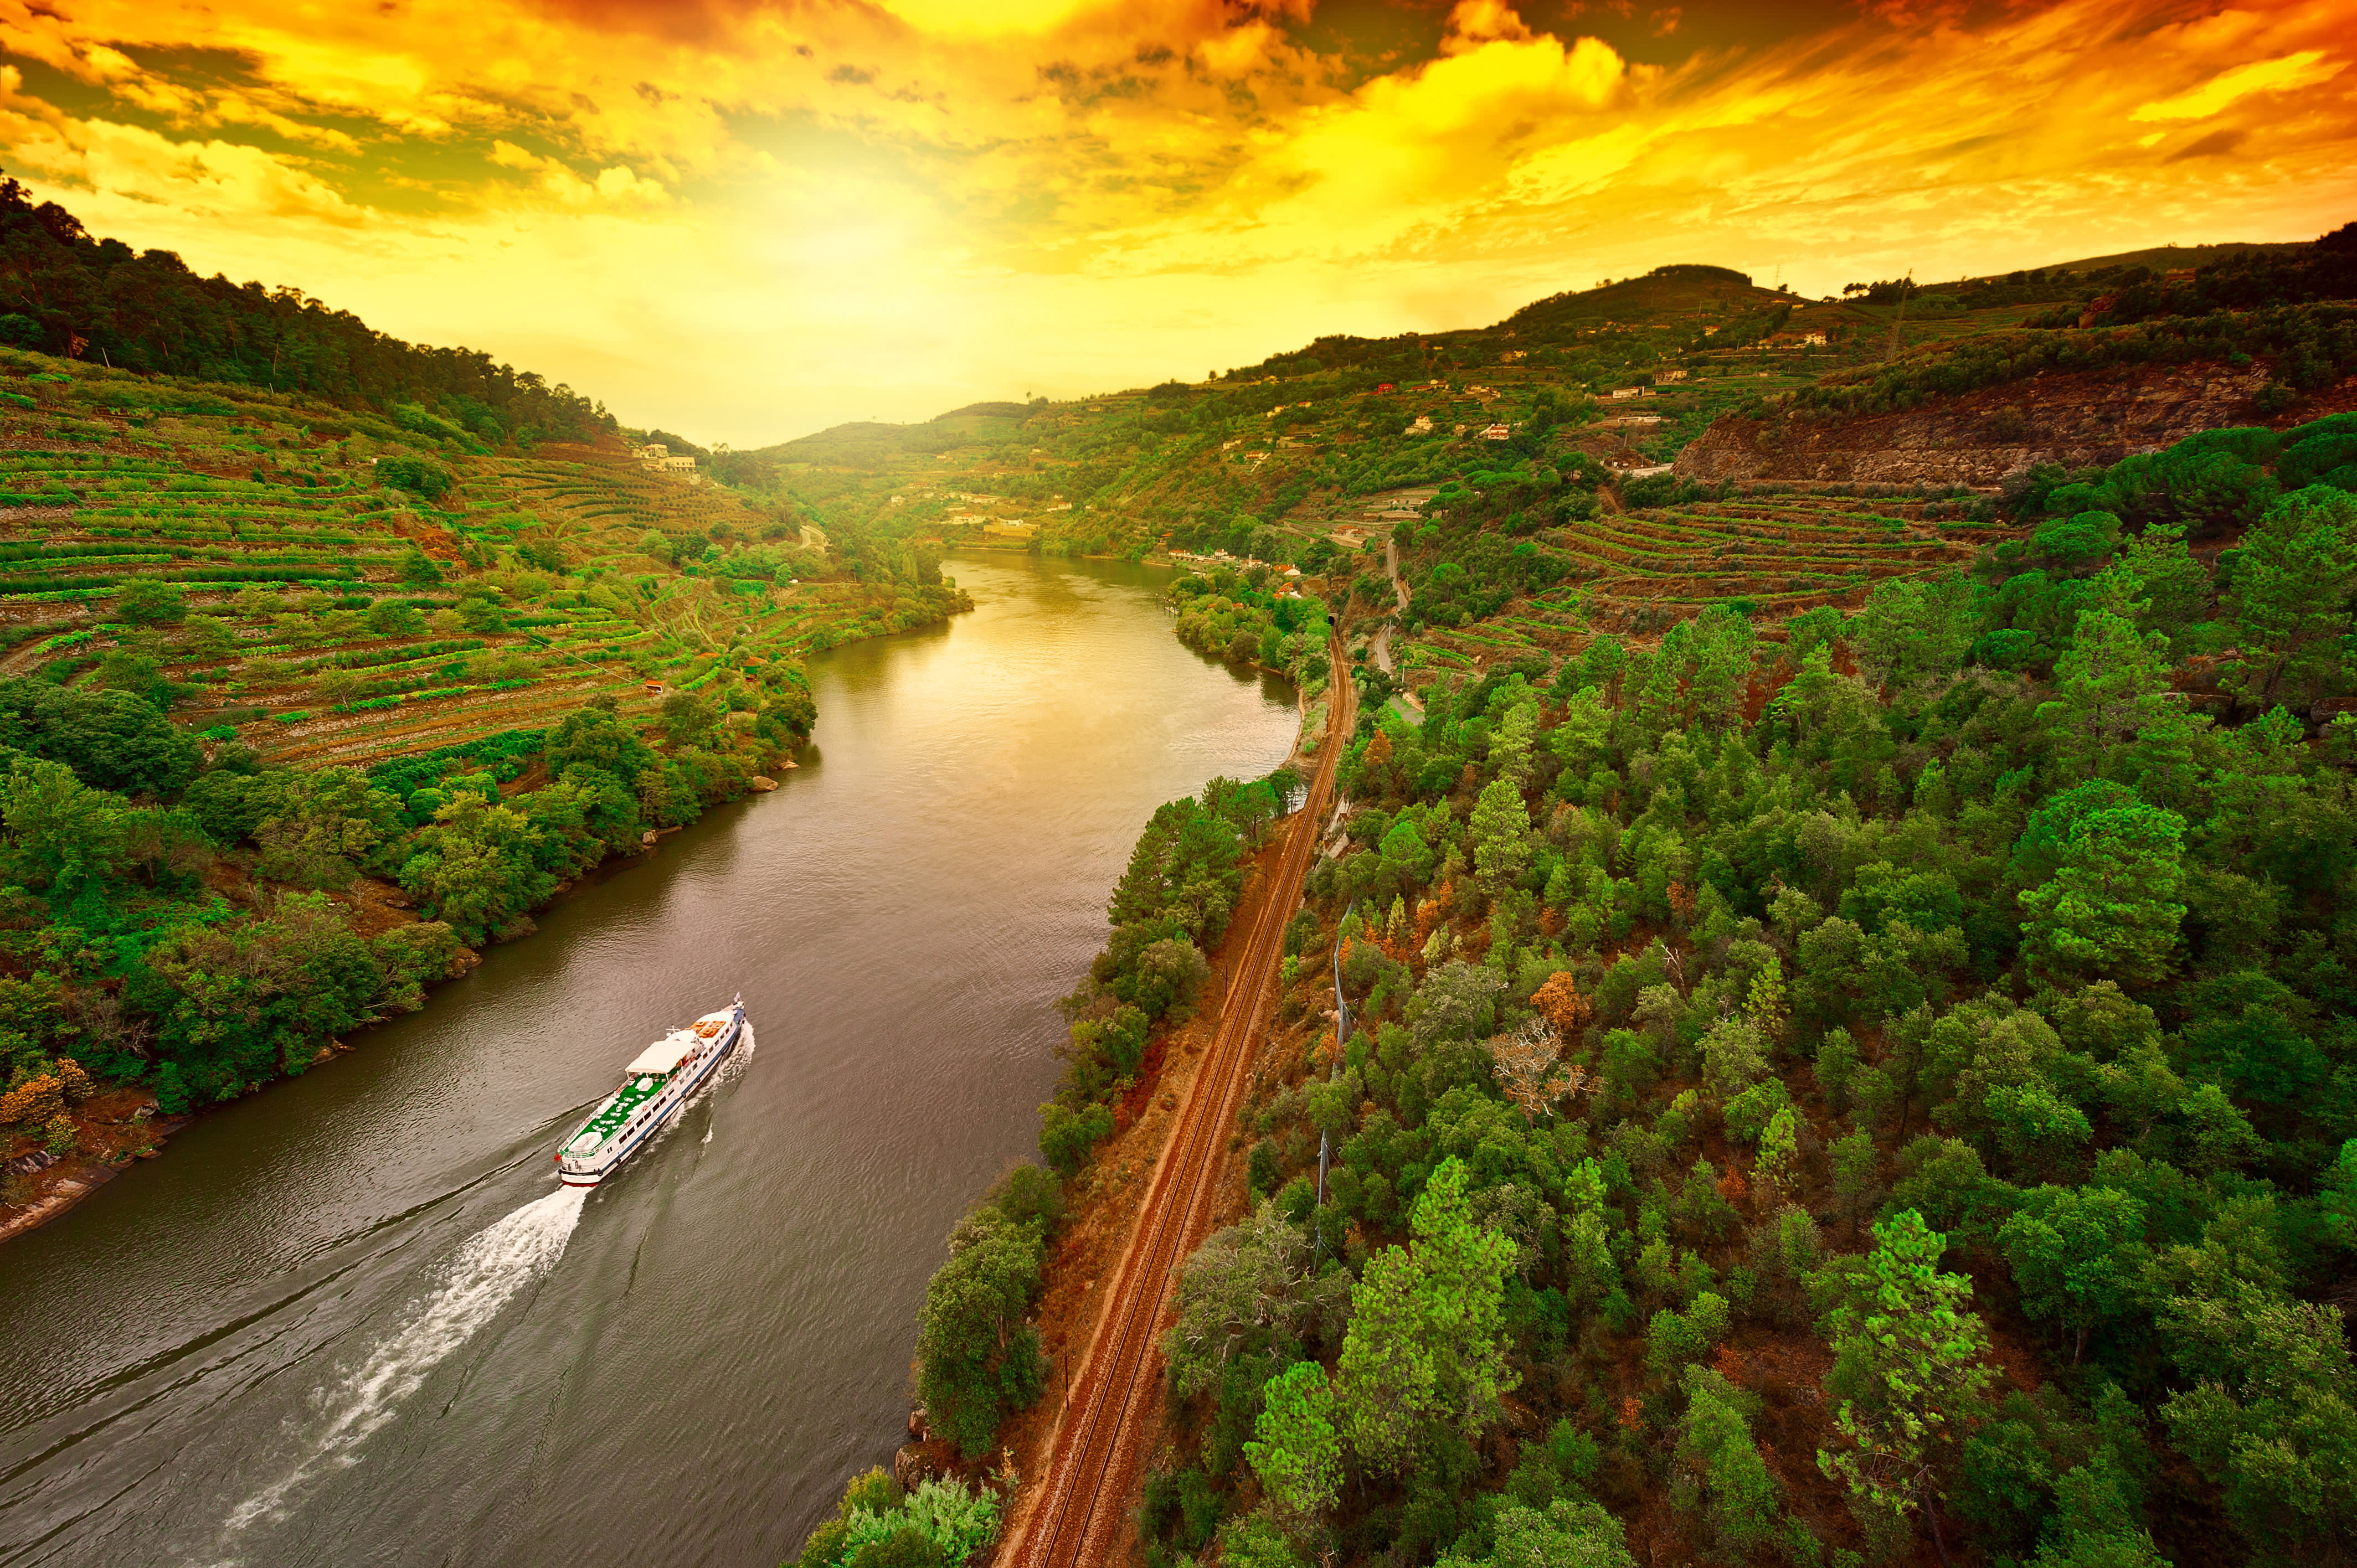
x=2288 y=74
x=746 y=219
x=988 y=18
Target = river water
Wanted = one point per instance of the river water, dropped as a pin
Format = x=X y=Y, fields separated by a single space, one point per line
x=352 y=1320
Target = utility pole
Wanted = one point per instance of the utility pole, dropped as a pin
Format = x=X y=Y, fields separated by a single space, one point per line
x=1341 y=1034
x=1905 y=288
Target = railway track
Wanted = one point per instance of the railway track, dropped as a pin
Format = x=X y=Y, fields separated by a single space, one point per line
x=1094 y=1462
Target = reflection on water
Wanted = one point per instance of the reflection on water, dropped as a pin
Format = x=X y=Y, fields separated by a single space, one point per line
x=349 y=1320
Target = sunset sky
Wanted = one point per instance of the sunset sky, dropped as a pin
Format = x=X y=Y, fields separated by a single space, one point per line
x=744 y=221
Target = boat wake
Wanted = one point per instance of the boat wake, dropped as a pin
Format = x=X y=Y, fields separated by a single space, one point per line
x=484 y=1275
x=733 y=1068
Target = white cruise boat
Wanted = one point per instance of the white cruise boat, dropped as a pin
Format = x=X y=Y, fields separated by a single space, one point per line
x=658 y=1081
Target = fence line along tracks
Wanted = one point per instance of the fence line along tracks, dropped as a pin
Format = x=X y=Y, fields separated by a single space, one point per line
x=1094 y=1455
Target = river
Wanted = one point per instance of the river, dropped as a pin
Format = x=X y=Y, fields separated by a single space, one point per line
x=350 y=1319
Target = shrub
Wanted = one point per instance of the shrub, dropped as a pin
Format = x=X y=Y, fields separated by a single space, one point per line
x=147 y=602
x=416 y=474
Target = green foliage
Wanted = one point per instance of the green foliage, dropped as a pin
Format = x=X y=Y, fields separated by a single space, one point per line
x=2078 y=1255
x=419 y=476
x=1723 y=1480
x=1908 y=1356
x=943 y=1523
x=2271 y=1416
x=977 y=1359
x=2292 y=579
x=2110 y=908
x=1067 y=1134
x=1569 y=1533
x=1252 y=1290
x=1425 y=1346
x=1298 y=1452
x=145 y=601
x=111 y=740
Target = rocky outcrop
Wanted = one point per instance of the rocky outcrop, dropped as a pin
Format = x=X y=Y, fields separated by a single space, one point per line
x=1978 y=437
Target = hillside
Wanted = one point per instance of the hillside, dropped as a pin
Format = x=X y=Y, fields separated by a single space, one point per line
x=306 y=691
x=2132 y=361
x=439 y=593
x=1323 y=446
x=1821 y=1035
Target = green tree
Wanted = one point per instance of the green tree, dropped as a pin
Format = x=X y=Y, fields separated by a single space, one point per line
x=1251 y=1288
x=2336 y=1196
x=2160 y=580
x=1068 y=1134
x=1510 y=742
x=2112 y=677
x=128 y=671
x=690 y=719
x=111 y=740
x=1581 y=738
x=1907 y=1369
x=2110 y=910
x=2078 y=1255
x=1501 y=834
x=1914 y=629
x=56 y=833
x=420 y=477
x=2290 y=596
x=1426 y=1341
x=2271 y=1417
x=1296 y=1451
x=391 y=618
x=320 y=827
x=1722 y=1478
x=1567 y=1533
x=147 y=601
x=977 y=1360
x=1405 y=854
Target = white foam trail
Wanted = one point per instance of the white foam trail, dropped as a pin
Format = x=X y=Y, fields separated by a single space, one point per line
x=485 y=1273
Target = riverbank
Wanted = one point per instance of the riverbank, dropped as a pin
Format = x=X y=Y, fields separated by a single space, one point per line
x=124 y=1122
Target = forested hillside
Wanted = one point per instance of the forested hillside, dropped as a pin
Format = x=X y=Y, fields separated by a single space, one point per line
x=77 y=297
x=1835 y=1071
x=1872 y=1085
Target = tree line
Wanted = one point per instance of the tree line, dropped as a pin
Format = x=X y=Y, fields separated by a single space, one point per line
x=126 y=958
x=65 y=293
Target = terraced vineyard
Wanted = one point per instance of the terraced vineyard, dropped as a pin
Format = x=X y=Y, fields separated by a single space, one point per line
x=1634 y=575
x=1782 y=553
x=326 y=588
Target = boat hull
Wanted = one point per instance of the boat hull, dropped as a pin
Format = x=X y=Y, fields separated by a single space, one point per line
x=601 y=1167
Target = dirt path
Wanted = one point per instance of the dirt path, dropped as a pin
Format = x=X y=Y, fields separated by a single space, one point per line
x=1078 y=1511
x=1382 y=649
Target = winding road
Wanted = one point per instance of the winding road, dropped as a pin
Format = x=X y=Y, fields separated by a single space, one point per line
x=1082 y=1506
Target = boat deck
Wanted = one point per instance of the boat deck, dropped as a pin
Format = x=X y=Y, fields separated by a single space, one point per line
x=611 y=1116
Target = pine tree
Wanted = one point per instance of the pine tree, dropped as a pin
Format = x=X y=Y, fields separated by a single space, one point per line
x=1914 y=1353
x=2111 y=910
x=1426 y=1336
x=1296 y=1451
